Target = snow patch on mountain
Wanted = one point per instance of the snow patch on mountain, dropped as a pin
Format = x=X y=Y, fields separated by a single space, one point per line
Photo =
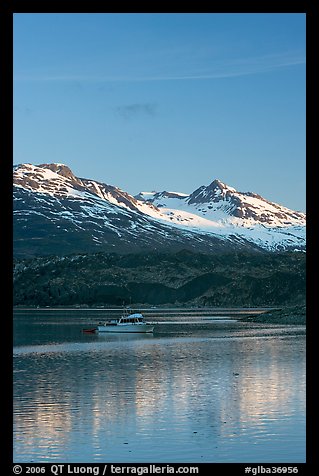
x=216 y=210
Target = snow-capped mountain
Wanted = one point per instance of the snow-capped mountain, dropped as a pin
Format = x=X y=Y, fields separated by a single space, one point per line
x=56 y=212
x=222 y=210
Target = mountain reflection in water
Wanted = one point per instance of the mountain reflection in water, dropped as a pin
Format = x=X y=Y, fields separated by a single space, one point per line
x=231 y=396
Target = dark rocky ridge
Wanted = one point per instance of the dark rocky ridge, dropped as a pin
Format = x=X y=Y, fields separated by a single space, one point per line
x=235 y=279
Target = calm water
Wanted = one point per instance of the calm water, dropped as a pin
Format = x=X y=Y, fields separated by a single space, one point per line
x=213 y=391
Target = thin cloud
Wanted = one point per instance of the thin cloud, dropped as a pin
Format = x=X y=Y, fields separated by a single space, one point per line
x=131 y=111
x=218 y=70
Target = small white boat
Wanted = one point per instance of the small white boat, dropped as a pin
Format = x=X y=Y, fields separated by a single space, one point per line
x=127 y=323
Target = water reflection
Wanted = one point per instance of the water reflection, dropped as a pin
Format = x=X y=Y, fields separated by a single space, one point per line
x=175 y=399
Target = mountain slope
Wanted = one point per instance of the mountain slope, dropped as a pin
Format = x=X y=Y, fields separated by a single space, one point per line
x=224 y=211
x=56 y=212
x=152 y=278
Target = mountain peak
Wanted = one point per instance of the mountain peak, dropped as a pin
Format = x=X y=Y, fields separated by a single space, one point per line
x=45 y=178
x=217 y=183
x=60 y=169
x=212 y=192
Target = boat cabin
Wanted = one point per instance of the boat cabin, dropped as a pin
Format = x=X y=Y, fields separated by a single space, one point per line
x=133 y=319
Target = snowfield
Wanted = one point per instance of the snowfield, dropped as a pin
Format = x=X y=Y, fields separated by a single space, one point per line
x=214 y=210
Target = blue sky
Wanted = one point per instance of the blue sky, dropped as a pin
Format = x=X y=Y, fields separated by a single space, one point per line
x=165 y=101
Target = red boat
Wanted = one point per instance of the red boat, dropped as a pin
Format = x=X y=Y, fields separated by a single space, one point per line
x=89 y=331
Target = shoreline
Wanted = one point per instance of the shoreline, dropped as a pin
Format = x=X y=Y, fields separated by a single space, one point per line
x=292 y=315
x=288 y=315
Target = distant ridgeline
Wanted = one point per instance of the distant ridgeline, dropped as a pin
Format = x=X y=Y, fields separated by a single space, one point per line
x=230 y=279
x=56 y=212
